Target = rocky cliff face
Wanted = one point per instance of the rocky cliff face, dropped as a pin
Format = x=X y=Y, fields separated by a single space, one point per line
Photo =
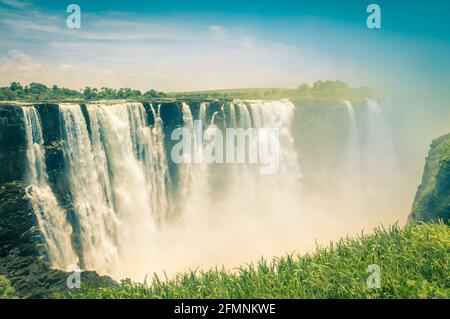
x=12 y=144
x=432 y=200
x=18 y=230
x=23 y=255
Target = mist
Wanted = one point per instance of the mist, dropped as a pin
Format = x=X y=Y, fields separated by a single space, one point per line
x=230 y=215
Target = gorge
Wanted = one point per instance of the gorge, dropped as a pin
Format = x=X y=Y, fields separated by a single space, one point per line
x=105 y=194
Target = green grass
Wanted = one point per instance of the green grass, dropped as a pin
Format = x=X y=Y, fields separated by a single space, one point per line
x=414 y=263
x=6 y=290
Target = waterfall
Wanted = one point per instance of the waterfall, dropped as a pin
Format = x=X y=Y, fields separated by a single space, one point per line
x=380 y=153
x=148 y=144
x=157 y=173
x=194 y=189
x=241 y=176
x=213 y=118
x=382 y=173
x=90 y=190
x=352 y=163
x=117 y=179
x=258 y=115
x=244 y=179
x=50 y=217
x=127 y=212
x=278 y=115
x=379 y=134
x=186 y=168
x=353 y=136
x=115 y=173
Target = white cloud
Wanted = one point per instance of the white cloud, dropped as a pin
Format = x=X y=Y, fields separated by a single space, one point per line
x=16 y=4
x=120 y=50
x=24 y=25
x=17 y=54
x=68 y=67
x=18 y=65
x=218 y=30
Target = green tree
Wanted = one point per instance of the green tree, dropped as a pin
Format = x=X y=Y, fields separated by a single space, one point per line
x=331 y=89
x=303 y=89
x=151 y=93
x=16 y=86
x=90 y=93
x=37 y=88
x=7 y=94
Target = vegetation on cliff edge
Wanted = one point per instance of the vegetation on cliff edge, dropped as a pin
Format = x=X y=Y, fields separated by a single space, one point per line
x=319 y=90
x=432 y=201
x=414 y=263
x=34 y=92
x=40 y=92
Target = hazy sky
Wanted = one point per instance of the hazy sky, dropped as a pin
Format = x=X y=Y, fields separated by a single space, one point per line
x=190 y=45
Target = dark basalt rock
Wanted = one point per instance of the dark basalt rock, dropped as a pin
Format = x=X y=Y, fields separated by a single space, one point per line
x=149 y=112
x=18 y=225
x=171 y=114
x=49 y=114
x=32 y=278
x=23 y=258
x=12 y=143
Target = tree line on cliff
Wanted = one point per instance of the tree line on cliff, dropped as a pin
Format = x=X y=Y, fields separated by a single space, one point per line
x=319 y=89
x=40 y=92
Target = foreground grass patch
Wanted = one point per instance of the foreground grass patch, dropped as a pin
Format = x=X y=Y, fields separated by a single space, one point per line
x=414 y=263
x=6 y=290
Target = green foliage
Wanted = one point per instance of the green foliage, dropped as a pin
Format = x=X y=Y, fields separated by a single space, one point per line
x=303 y=89
x=40 y=92
x=6 y=290
x=320 y=89
x=15 y=86
x=432 y=201
x=334 y=89
x=414 y=263
x=37 y=92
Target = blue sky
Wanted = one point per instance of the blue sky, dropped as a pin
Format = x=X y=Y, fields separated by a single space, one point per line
x=209 y=44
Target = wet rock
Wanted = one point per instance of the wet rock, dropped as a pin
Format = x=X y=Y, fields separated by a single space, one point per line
x=12 y=143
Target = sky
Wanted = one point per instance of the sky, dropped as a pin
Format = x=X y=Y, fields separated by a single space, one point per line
x=208 y=44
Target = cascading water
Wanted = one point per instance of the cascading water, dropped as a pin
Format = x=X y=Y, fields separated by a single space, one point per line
x=353 y=140
x=248 y=185
x=241 y=175
x=90 y=191
x=127 y=149
x=116 y=175
x=380 y=144
x=51 y=218
x=194 y=171
x=117 y=180
x=380 y=153
x=352 y=174
x=380 y=162
x=278 y=115
x=148 y=145
x=157 y=173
